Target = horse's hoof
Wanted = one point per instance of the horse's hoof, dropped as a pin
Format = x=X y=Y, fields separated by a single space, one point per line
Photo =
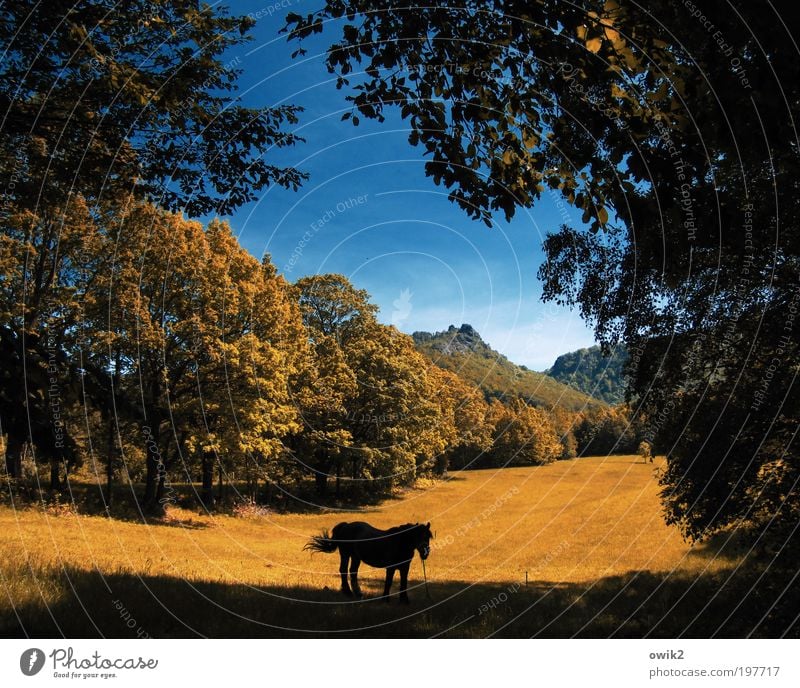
x=387 y=599
x=359 y=596
x=347 y=593
x=405 y=600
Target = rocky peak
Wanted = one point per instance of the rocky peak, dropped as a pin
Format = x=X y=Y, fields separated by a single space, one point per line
x=454 y=339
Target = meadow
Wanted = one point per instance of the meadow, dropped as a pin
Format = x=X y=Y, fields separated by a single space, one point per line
x=575 y=549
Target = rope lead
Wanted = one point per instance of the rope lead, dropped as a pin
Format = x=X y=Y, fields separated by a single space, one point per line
x=425 y=576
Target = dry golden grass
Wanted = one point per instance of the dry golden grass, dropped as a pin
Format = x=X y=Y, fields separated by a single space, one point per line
x=567 y=525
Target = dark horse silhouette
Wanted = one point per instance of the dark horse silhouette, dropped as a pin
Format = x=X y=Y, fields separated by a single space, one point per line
x=391 y=549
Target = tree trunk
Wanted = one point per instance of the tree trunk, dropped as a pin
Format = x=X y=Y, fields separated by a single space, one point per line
x=321 y=479
x=110 y=450
x=151 y=474
x=268 y=491
x=14 y=448
x=219 y=491
x=112 y=445
x=161 y=497
x=207 y=492
x=154 y=463
x=55 y=470
x=321 y=472
x=251 y=479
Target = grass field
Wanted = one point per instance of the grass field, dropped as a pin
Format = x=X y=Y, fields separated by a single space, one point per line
x=587 y=534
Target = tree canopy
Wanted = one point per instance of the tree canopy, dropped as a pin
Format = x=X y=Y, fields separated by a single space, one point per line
x=104 y=103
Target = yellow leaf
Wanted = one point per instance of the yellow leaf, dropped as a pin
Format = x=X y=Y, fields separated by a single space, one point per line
x=613 y=36
x=594 y=44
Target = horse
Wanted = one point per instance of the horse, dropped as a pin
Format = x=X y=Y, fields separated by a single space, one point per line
x=391 y=549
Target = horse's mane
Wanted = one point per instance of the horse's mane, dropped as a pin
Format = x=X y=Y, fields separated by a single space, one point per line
x=405 y=526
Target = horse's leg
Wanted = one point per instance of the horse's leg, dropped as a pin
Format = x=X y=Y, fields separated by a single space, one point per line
x=404 y=581
x=344 y=558
x=389 y=576
x=354 y=564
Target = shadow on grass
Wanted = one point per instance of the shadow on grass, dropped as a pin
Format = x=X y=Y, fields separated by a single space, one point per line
x=88 y=499
x=750 y=601
x=348 y=502
x=745 y=543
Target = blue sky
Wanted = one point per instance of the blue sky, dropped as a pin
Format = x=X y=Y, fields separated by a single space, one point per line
x=369 y=212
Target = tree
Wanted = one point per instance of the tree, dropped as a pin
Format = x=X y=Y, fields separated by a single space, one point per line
x=607 y=430
x=332 y=307
x=151 y=285
x=485 y=90
x=381 y=381
x=462 y=431
x=391 y=419
x=47 y=260
x=522 y=436
x=321 y=391
x=678 y=147
x=564 y=423
x=105 y=102
x=248 y=341
x=334 y=313
x=209 y=339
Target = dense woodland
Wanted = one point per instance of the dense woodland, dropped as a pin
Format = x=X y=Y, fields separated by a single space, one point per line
x=160 y=351
x=149 y=348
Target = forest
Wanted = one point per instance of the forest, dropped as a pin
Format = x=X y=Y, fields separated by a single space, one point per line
x=159 y=351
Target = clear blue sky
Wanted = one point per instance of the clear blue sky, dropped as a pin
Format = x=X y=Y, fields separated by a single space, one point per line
x=369 y=212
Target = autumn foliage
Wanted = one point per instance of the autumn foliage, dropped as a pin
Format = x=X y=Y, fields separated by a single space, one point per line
x=158 y=350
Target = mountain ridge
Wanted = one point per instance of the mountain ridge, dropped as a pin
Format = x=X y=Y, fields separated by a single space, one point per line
x=463 y=351
x=588 y=371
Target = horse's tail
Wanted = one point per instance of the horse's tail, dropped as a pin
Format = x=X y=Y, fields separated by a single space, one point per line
x=322 y=543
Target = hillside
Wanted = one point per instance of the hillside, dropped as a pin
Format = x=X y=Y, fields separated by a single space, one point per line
x=588 y=371
x=463 y=351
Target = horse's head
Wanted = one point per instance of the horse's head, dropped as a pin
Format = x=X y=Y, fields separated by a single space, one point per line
x=422 y=539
